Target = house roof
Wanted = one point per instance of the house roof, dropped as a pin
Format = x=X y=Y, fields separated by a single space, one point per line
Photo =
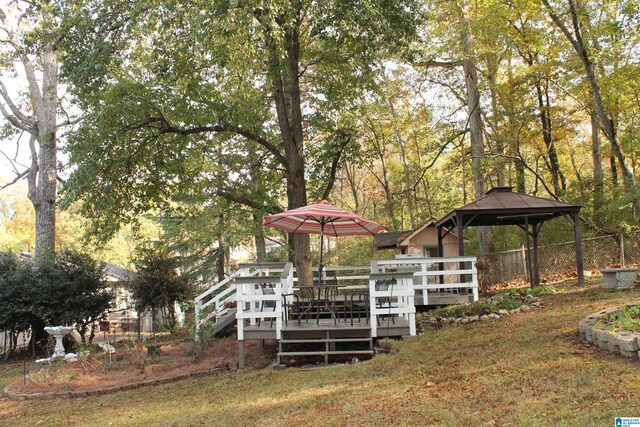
x=405 y=241
x=116 y=272
x=503 y=206
x=390 y=240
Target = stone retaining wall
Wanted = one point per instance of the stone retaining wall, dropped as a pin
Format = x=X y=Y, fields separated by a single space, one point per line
x=625 y=343
x=16 y=395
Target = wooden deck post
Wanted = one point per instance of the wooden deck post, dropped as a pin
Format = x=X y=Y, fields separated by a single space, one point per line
x=240 y=354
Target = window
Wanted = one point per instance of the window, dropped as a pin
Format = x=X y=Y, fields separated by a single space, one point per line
x=430 y=251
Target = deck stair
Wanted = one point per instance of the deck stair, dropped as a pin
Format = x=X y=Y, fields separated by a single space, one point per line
x=325 y=342
x=225 y=323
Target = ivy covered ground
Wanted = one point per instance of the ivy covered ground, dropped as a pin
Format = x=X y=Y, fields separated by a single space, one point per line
x=527 y=368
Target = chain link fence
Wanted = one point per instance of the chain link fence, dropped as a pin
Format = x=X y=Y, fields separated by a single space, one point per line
x=560 y=259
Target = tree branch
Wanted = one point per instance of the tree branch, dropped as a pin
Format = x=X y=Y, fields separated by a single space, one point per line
x=26 y=121
x=29 y=69
x=439 y=64
x=247 y=202
x=438 y=154
x=16 y=179
x=166 y=128
x=14 y=120
x=529 y=168
x=334 y=168
x=33 y=170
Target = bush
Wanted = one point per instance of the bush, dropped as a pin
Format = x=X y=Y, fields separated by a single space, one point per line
x=73 y=290
x=69 y=290
x=158 y=284
x=16 y=298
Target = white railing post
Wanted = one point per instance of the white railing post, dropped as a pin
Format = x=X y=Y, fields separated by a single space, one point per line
x=423 y=281
x=240 y=310
x=474 y=280
x=198 y=309
x=373 y=321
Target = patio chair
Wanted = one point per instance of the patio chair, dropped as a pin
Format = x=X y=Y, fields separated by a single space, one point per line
x=267 y=289
x=357 y=302
x=300 y=304
x=385 y=302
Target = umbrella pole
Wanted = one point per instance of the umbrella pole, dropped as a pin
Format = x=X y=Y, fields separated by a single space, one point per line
x=320 y=270
x=321 y=250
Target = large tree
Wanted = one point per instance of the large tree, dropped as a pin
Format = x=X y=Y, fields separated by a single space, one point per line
x=163 y=81
x=30 y=51
x=572 y=18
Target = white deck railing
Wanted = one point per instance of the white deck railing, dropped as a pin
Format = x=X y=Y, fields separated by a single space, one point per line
x=446 y=274
x=245 y=287
x=219 y=296
x=259 y=299
x=390 y=295
x=214 y=302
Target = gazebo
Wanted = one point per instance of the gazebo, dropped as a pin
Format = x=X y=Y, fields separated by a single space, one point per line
x=503 y=206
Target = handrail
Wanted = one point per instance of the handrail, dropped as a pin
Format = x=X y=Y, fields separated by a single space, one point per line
x=254 y=306
x=420 y=272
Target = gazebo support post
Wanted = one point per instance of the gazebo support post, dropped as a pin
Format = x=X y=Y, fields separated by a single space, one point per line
x=460 y=225
x=578 y=240
x=536 y=271
x=440 y=253
x=526 y=229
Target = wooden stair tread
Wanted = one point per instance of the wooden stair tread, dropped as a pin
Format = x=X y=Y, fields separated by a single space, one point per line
x=324 y=340
x=323 y=353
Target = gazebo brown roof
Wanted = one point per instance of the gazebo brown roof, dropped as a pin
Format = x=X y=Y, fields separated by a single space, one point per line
x=502 y=206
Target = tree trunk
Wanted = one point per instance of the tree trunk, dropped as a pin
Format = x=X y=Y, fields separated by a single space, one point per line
x=492 y=65
x=557 y=178
x=258 y=237
x=45 y=192
x=605 y=121
x=598 y=176
x=476 y=127
x=220 y=258
x=578 y=174
x=405 y=164
x=286 y=85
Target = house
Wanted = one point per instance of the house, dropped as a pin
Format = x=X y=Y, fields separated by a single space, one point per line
x=422 y=241
x=123 y=314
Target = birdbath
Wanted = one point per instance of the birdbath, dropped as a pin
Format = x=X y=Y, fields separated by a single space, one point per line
x=58 y=332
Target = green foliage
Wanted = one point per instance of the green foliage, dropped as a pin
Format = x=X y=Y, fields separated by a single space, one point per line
x=158 y=285
x=509 y=300
x=189 y=112
x=537 y=291
x=16 y=297
x=69 y=290
x=72 y=289
x=627 y=319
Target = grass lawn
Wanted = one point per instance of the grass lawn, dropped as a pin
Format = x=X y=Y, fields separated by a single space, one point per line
x=525 y=369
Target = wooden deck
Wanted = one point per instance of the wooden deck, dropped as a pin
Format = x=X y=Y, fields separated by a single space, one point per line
x=386 y=328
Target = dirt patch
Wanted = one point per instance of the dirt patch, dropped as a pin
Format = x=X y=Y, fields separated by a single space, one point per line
x=131 y=364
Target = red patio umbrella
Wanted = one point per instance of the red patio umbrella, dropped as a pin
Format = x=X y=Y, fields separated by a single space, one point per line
x=322 y=218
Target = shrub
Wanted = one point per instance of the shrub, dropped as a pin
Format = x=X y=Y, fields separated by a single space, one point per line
x=17 y=298
x=158 y=285
x=73 y=290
